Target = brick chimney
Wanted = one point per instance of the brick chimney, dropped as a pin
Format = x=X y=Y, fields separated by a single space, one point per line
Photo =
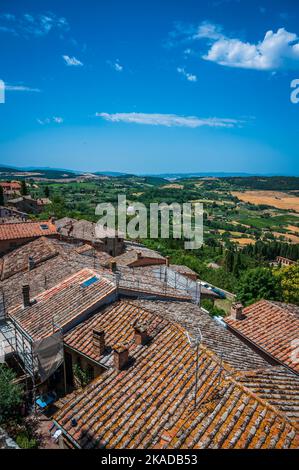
x=236 y=311
x=113 y=266
x=140 y=334
x=121 y=356
x=26 y=295
x=70 y=228
x=98 y=339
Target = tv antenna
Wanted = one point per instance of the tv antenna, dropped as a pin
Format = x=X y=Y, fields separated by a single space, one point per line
x=195 y=344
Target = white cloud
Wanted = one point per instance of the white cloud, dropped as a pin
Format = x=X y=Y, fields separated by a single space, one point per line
x=169 y=120
x=189 y=76
x=55 y=119
x=208 y=30
x=29 y=24
x=72 y=61
x=21 y=88
x=116 y=65
x=275 y=51
x=58 y=119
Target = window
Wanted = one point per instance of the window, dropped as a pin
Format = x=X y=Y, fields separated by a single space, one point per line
x=90 y=281
x=44 y=226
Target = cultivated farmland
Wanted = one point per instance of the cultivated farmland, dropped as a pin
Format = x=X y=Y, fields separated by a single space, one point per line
x=270 y=198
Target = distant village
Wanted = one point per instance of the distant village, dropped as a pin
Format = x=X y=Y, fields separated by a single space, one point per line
x=112 y=347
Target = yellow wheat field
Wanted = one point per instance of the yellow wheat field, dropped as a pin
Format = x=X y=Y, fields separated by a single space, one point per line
x=270 y=198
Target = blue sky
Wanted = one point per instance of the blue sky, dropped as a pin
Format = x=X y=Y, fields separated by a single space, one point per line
x=150 y=86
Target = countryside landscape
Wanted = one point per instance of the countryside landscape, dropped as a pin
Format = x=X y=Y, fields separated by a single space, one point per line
x=248 y=221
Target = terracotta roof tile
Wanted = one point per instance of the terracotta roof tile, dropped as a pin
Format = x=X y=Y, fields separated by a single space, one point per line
x=180 y=268
x=224 y=343
x=277 y=385
x=271 y=327
x=151 y=404
x=116 y=321
x=13 y=231
x=16 y=261
x=133 y=256
x=63 y=304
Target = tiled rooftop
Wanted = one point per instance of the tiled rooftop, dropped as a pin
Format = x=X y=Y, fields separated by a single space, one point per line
x=151 y=404
x=9 y=231
x=278 y=386
x=66 y=302
x=184 y=270
x=272 y=327
x=133 y=256
x=116 y=320
x=233 y=352
x=83 y=229
x=16 y=261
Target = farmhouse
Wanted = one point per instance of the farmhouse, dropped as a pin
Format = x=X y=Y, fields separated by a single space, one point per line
x=8 y=214
x=284 y=261
x=28 y=204
x=11 y=187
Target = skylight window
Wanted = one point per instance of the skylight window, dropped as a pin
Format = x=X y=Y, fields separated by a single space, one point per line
x=44 y=226
x=90 y=281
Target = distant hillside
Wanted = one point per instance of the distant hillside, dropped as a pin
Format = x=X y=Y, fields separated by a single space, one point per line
x=199 y=175
x=110 y=173
x=32 y=172
x=278 y=183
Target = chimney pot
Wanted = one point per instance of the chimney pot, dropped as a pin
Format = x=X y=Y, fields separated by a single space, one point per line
x=99 y=341
x=140 y=334
x=113 y=266
x=120 y=356
x=167 y=261
x=26 y=295
x=237 y=311
x=139 y=254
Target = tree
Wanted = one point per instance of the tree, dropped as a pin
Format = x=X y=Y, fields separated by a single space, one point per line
x=1 y=196
x=237 y=266
x=47 y=191
x=229 y=261
x=24 y=190
x=10 y=395
x=256 y=284
x=289 y=281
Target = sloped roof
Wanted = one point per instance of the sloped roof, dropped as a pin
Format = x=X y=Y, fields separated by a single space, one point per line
x=272 y=327
x=43 y=277
x=116 y=320
x=151 y=404
x=84 y=229
x=222 y=342
x=277 y=385
x=13 y=231
x=132 y=255
x=11 y=185
x=16 y=261
x=180 y=268
x=63 y=303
